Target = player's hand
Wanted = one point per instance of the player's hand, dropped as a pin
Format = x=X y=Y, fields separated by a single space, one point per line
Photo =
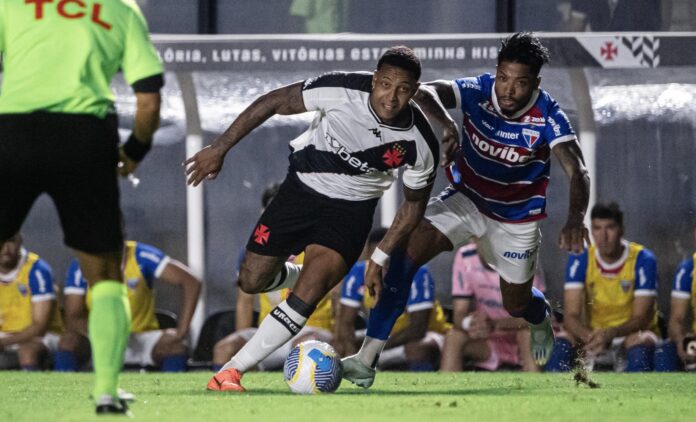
x=374 y=274
x=598 y=341
x=205 y=164
x=450 y=144
x=126 y=166
x=481 y=326
x=574 y=236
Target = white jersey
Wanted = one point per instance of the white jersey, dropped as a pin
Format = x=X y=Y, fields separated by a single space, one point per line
x=348 y=152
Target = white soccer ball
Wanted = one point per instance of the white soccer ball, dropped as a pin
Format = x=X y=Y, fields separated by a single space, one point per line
x=313 y=367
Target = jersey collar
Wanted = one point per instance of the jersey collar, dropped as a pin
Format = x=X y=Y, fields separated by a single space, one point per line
x=616 y=265
x=12 y=275
x=525 y=109
x=381 y=123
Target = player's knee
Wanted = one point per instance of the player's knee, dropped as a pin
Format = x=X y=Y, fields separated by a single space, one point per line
x=251 y=283
x=69 y=341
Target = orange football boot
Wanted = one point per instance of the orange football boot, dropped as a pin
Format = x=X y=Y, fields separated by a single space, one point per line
x=227 y=380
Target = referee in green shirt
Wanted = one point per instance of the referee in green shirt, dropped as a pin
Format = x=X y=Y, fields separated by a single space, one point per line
x=58 y=134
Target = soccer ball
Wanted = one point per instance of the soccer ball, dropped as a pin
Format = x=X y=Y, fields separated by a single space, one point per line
x=313 y=367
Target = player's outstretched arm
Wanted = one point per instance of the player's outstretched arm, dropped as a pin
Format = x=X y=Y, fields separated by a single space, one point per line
x=207 y=163
x=444 y=92
x=430 y=101
x=574 y=234
x=179 y=274
x=408 y=216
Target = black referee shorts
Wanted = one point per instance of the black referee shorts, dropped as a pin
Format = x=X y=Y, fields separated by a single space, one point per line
x=72 y=158
x=299 y=216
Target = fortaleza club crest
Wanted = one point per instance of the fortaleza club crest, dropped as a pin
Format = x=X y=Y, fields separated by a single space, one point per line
x=530 y=136
x=626 y=285
x=394 y=156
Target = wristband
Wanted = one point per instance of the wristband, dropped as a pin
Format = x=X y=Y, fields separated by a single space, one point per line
x=466 y=322
x=380 y=258
x=135 y=149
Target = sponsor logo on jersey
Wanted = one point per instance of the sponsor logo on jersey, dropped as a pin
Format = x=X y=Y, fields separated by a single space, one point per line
x=520 y=255
x=531 y=136
x=487 y=125
x=261 y=234
x=507 y=135
x=376 y=132
x=533 y=119
x=346 y=156
x=508 y=154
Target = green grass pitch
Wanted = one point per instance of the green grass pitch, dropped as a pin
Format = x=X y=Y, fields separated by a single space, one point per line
x=396 y=396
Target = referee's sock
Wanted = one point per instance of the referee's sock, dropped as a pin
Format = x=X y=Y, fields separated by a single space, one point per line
x=279 y=326
x=109 y=327
x=286 y=278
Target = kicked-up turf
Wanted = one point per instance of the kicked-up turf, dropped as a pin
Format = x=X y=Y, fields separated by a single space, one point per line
x=396 y=396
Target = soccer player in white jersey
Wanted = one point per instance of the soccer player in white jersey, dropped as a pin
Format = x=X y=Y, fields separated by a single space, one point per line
x=497 y=196
x=366 y=127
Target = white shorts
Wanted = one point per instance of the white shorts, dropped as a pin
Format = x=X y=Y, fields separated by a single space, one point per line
x=139 y=348
x=510 y=248
x=276 y=359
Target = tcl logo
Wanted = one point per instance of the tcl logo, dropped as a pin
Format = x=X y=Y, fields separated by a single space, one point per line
x=70 y=9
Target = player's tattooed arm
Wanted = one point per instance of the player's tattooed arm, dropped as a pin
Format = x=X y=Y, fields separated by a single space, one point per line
x=207 y=163
x=574 y=234
x=408 y=216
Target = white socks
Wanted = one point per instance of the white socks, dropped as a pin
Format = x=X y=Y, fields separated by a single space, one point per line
x=276 y=329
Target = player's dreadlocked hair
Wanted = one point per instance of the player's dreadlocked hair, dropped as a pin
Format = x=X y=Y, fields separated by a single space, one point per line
x=525 y=48
x=402 y=57
x=609 y=211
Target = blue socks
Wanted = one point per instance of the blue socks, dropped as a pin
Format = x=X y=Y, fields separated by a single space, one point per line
x=666 y=358
x=562 y=357
x=537 y=308
x=64 y=361
x=640 y=358
x=394 y=297
x=174 y=364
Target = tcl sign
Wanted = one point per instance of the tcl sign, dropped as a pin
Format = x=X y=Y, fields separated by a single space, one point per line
x=70 y=9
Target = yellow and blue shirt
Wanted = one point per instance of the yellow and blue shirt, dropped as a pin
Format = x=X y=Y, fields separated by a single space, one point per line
x=30 y=282
x=143 y=264
x=611 y=288
x=421 y=297
x=683 y=284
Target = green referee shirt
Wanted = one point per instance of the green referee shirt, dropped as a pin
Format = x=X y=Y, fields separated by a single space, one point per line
x=60 y=55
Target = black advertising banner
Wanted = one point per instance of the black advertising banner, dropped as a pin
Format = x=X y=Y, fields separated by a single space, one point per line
x=361 y=52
